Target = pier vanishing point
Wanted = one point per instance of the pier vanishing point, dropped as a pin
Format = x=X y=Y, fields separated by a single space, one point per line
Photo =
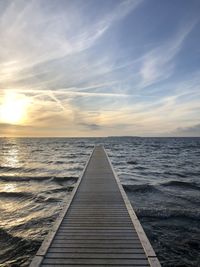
x=97 y=226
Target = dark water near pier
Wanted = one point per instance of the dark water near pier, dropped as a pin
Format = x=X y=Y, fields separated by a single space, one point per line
x=160 y=175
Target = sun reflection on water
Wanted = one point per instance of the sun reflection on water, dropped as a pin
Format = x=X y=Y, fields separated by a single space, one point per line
x=12 y=158
x=9 y=187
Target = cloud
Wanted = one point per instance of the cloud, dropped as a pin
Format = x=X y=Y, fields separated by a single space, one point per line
x=192 y=131
x=37 y=38
x=7 y=130
x=159 y=63
x=90 y=126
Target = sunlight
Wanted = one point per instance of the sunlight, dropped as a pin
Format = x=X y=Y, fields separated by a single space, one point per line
x=9 y=187
x=13 y=108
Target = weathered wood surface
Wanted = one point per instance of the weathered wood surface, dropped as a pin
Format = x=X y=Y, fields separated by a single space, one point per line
x=98 y=226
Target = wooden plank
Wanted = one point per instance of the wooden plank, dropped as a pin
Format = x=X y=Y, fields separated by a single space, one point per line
x=54 y=255
x=97 y=238
x=99 y=241
x=106 y=261
x=105 y=224
x=96 y=250
x=93 y=231
x=89 y=265
x=98 y=226
x=99 y=245
x=97 y=235
x=75 y=228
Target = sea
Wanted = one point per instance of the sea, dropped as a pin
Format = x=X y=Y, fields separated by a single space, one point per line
x=161 y=177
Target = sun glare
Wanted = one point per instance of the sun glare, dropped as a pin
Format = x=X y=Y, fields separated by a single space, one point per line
x=13 y=108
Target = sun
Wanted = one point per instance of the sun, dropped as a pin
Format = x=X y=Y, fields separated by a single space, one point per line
x=13 y=108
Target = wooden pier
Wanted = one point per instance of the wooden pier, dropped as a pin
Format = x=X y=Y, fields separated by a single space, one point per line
x=97 y=226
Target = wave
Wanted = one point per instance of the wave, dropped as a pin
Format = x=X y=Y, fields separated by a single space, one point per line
x=13 y=247
x=140 y=168
x=44 y=199
x=58 y=162
x=5 y=235
x=18 y=169
x=6 y=168
x=132 y=162
x=164 y=213
x=9 y=144
x=37 y=150
x=140 y=188
x=177 y=174
x=71 y=179
x=63 y=189
x=42 y=219
x=38 y=178
x=8 y=237
x=70 y=156
x=36 y=198
x=189 y=173
x=181 y=184
x=16 y=194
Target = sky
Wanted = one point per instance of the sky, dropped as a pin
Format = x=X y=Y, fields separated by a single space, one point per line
x=99 y=68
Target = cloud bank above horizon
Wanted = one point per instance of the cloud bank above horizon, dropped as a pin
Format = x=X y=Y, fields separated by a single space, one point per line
x=99 y=68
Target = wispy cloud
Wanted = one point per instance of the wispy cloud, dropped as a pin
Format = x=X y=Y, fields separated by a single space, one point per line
x=159 y=63
x=49 y=37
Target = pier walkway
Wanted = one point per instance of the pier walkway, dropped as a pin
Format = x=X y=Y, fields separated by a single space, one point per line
x=98 y=226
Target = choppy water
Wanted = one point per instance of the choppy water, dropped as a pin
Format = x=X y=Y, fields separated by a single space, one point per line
x=160 y=175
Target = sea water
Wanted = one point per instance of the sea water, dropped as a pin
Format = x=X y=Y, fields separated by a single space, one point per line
x=161 y=177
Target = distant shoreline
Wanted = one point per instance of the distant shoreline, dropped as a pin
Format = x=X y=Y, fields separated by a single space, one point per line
x=95 y=137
